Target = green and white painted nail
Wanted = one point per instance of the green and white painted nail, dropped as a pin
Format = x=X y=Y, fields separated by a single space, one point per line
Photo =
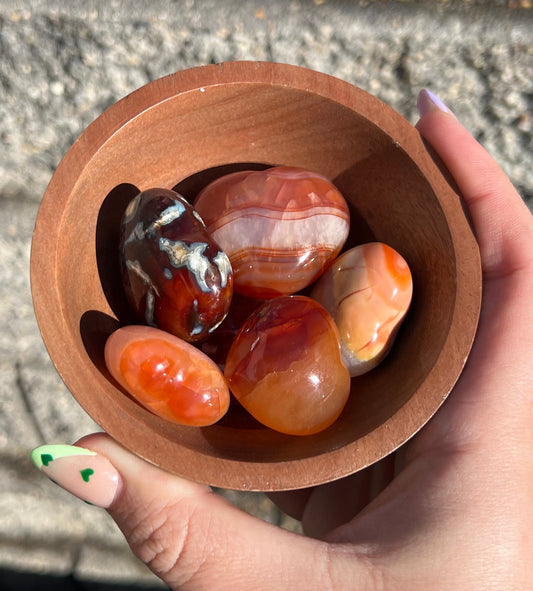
x=82 y=472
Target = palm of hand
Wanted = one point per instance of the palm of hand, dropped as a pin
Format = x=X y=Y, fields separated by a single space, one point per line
x=470 y=470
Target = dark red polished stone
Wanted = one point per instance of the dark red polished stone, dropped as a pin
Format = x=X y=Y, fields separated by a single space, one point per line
x=175 y=275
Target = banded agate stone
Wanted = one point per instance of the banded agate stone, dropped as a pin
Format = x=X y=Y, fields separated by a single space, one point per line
x=167 y=375
x=175 y=275
x=280 y=227
x=368 y=291
x=285 y=366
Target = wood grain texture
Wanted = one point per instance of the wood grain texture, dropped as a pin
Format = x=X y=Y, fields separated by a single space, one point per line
x=181 y=131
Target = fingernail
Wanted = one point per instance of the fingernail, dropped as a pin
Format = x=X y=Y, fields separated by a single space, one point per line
x=84 y=473
x=428 y=101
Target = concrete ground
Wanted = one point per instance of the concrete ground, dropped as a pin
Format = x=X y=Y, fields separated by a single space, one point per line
x=62 y=64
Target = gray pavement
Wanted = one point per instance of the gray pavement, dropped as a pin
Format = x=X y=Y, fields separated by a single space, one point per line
x=62 y=64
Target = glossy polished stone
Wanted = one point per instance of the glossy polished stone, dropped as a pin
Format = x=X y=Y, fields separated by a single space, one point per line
x=167 y=375
x=285 y=366
x=280 y=227
x=175 y=275
x=367 y=290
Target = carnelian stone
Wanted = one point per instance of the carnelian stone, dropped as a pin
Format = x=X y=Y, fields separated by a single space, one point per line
x=368 y=291
x=280 y=227
x=285 y=366
x=167 y=375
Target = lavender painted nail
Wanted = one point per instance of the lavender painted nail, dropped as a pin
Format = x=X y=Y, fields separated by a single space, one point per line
x=428 y=101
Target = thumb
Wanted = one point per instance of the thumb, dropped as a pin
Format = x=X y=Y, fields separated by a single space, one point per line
x=501 y=219
x=190 y=537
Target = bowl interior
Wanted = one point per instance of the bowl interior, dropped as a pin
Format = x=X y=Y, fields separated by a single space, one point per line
x=183 y=132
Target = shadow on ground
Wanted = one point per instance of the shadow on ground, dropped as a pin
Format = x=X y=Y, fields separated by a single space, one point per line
x=15 y=581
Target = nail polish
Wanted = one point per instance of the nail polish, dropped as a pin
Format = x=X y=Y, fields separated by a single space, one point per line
x=84 y=473
x=428 y=101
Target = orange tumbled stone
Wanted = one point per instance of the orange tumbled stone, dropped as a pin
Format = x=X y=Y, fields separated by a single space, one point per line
x=285 y=366
x=280 y=227
x=368 y=291
x=167 y=375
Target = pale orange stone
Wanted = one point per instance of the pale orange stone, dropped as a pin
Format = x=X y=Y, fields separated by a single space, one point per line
x=367 y=290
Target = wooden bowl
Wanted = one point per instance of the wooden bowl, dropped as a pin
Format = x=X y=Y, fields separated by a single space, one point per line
x=181 y=132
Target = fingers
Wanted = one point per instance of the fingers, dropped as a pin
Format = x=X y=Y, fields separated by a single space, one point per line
x=502 y=223
x=352 y=494
x=314 y=506
x=493 y=396
x=189 y=536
